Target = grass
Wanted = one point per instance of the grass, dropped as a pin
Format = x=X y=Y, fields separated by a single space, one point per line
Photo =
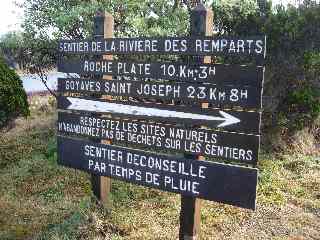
x=41 y=200
x=34 y=192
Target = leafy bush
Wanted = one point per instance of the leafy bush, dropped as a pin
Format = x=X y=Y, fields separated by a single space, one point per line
x=293 y=56
x=312 y=67
x=303 y=106
x=13 y=98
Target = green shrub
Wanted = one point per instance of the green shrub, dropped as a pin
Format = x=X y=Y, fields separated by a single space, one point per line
x=303 y=107
x=312 y=66
x=13 y=98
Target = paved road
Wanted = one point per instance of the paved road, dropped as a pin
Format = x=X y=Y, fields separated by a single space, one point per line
x=32 y=83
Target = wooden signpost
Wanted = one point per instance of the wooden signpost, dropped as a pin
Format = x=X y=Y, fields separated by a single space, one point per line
x=207 y=180
x=237 y=121
x=218 y=144
x=103 y=28
x=195 y=72
x=190 y=93
x=194 y=45
x=198 y=109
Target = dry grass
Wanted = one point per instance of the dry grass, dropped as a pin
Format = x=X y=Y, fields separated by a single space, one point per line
x=34 y=192
x=288 y=208
x=40 y=200
x=305 y=142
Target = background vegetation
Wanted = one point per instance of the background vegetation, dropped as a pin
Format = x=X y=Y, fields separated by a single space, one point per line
x=13 y=98
x=60 y=206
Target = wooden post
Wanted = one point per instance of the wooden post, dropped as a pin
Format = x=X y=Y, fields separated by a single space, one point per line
x=201 y=24
x=103 y=27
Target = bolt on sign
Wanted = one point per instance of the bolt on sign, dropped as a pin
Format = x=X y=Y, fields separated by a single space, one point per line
x=156 y=110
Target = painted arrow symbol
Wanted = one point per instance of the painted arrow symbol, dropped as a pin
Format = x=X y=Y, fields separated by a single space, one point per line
x=70 y=103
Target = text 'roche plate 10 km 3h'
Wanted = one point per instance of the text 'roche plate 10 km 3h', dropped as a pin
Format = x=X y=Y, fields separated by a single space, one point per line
x=238 y=121
x=191 y=72
x=212 y=181
x=215 y=144
x=191 y=93
x=252 y=46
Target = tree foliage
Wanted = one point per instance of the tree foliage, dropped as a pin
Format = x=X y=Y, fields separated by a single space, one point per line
x=292 y=64
x=233 y=16
x=12 y=48
x=74 y=19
